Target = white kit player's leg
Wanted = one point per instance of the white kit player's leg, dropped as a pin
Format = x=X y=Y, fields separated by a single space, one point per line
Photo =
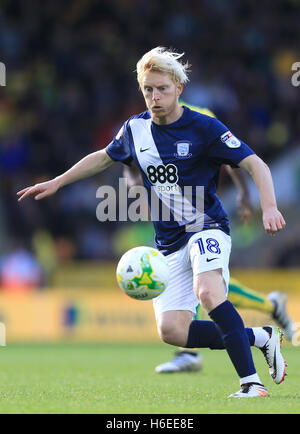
x=203 y=262
x=173 y=326
x=209 y=253
x=176 y=306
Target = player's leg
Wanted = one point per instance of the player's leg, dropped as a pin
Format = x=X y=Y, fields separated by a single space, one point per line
x=210 y=258
x=173 y=326
x=175 y=307
x=211 y=290
x=274 y=303
x=245 y=298
x=185 y=359
x=180 y=303
x=241 y=296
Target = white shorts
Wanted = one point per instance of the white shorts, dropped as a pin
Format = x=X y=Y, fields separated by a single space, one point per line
x=205 y=251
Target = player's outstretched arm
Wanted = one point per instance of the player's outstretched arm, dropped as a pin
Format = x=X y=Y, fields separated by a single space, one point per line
x=272 y=219
x=88 y=166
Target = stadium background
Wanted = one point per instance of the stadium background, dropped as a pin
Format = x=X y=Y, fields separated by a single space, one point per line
x=70 y=83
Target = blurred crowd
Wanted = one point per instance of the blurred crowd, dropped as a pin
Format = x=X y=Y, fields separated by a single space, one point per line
x=71 y=84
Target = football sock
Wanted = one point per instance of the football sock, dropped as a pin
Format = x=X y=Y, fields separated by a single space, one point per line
x=254 y=378
x=261 y=336
x=243 y=297
x=235 y=338
x=206 y=334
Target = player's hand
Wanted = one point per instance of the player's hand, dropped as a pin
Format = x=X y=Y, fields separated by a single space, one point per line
x=39 y=191
x=273 y=221
x=245 y=209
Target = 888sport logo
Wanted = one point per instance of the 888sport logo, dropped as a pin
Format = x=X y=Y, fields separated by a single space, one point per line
x=162 y=174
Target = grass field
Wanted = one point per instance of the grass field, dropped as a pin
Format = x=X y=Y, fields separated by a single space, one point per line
x=110 y=378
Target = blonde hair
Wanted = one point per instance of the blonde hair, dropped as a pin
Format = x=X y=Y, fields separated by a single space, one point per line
x=163 y=60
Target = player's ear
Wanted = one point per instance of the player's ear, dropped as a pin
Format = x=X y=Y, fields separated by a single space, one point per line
x=179 y=89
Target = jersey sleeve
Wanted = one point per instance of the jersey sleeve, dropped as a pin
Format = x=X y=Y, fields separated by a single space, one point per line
x=224 y=147
x=119 y=147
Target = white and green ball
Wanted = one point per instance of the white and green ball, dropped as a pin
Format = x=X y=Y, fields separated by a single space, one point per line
x=143 y=273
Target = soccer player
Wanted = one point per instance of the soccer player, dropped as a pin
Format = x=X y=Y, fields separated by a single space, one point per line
x=175 y=147
x=189 y=360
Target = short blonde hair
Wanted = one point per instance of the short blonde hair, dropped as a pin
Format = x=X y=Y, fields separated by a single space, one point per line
x=163 y=60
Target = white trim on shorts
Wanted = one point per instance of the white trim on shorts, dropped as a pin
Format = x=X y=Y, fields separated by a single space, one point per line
x=200 y=254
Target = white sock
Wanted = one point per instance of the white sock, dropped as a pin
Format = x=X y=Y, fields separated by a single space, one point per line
x=254 y=378
x=261 y=336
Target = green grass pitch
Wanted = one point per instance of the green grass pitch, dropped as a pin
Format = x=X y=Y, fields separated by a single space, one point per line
x=112 y=379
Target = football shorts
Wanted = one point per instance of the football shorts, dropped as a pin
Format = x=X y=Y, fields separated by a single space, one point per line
x=205 y=251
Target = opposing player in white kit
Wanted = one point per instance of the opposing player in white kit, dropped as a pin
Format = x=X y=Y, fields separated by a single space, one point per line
x=174 y=148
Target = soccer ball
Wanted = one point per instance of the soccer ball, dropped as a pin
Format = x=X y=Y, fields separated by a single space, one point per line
x=143 y=273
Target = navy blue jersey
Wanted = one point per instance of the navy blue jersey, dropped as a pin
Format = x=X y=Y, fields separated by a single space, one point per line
x=180 y=164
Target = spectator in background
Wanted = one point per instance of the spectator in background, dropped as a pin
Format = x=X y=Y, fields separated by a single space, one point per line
x=19 y=270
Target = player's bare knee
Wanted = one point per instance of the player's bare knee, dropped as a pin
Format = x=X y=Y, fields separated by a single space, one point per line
x=166 y=332
x=204 y=292
x=206 y=298
x=210 y=289
x=170 y=333
x=165 y=335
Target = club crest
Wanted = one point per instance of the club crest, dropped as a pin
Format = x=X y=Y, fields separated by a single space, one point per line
x=183 y=149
